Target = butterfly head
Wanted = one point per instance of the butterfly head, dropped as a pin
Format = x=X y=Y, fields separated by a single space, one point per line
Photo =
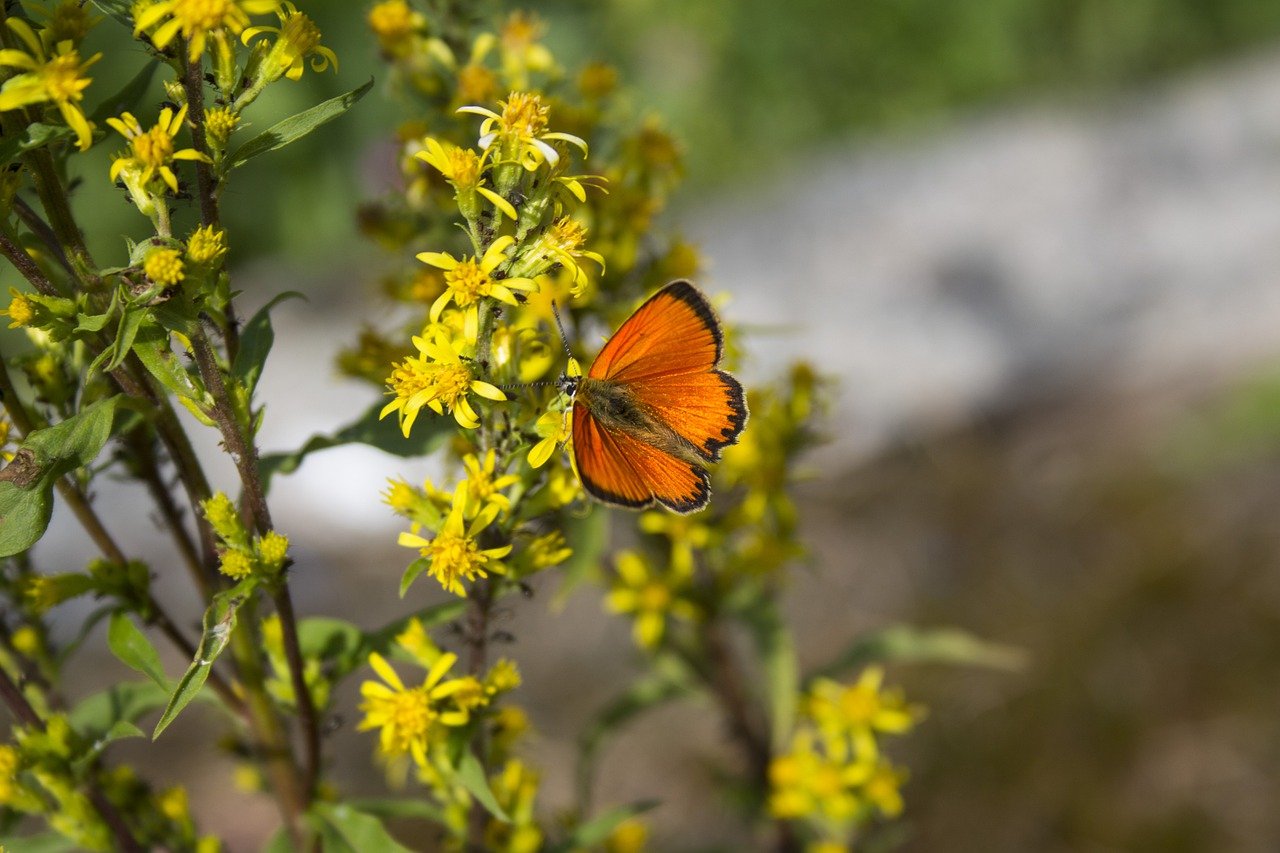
x=570 y=379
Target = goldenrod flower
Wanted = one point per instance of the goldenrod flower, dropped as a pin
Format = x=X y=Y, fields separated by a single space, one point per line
x=482 y=488
x=196 y=20
x=150 y=154
x=560 y=244
x=401 y=497
x=630 y=836
x=164 y=266
x=21 y=310
x=57 y=78
x=395 y=23
x=856 y=713
x=221 y=514
x=545 y=551
x=502 y=677
x=219 y=124
x=462 y=167
x=805 y=783
x=521 y=131
x=236 y=564
x=515 y=788
x=405 y=716
x=521 y=51
x=297 y=37
x=438 y=378
x=454 y=553
x=648 y=596
x=469 y=280
x=273 y=550
x=206 y=245
x=554 y=428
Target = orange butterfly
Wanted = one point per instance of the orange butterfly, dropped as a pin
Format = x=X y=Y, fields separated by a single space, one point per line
x=653 y=410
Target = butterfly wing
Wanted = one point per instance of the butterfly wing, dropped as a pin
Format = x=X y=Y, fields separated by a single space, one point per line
x=667 y=353
x=618 y=469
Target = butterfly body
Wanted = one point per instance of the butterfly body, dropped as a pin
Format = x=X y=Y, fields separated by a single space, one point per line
x=653 y=410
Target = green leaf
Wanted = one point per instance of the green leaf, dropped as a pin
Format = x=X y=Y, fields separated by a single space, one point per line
x=471 y=774
x=297 y=126
x=133 y=648
x=411 y=573
x=398 y=808
x=782 y=670
x=129 y=95
x=118 y=9
x=908 y=644
x=384 y=434
x=128 y=701
x=121 y=730
x=26 y=484
x=593 y=833
x=37 y=136
x=667 y=680
x=152 y=347
x=219 y=623
x=24 y=515
x=255 y=342
x=280 y=842
x=126 y=332
x=358 y=831
x=45 y=842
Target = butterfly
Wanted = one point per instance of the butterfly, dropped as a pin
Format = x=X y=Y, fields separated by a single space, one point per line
x=653 y=410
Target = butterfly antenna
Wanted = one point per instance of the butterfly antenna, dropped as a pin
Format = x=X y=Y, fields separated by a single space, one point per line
x=564 y=339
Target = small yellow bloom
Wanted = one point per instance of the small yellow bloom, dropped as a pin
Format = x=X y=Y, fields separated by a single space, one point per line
x=503 y=676
x=857 y=713
x=415 y=640
x=463 y=167
x=26 y=640
x=206 y=245
x=9 y=763
x=554 y=428
x=437 y=378
x=395 y=23
x=467 y=281
x=196 y=20
x=236 y=564
x=649 y=597
x=454 y=553
x=630 y=836
x=151 y=151
x=297 y=37
x=58 y=78
x=174 y=803
x=21 y=310
x=221 y=514
x=483 y=489
x=520 y=131
x=401 y=497
x=164 y=266
x=406 y=716
x=273 y=550
x=219 y=124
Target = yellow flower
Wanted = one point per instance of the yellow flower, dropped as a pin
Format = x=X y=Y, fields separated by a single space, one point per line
x=805 y=783
x=164 y=266
x=545 y=551
x=502 y=677
x=883 y=789
x=648 y=596
x=297 y=37
x=221 y=514
x=521 y=51
x=395 y=23
x=415 y=640
x=454 y=554
x=196 y=20
x=405 y=716
x=206 y=245
x=560 y=244
x=467 y=281
x=21 y=310
x=683 y=532
x=630 y=836
x=483 y=489
x=438 y=378
x=515 y=788
x=236 y=564
x=57 y=78
x=219 y=124
x=150 y=153
x=401 y=497
x=462 y=167
x=521 y=131
x=856 y=713
x=273 y=550
x=8 y=774
x=554 y=428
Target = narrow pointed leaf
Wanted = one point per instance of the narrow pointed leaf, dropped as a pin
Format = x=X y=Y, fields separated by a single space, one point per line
x=471 y=775
x=255 y=342
x=297 y=126
x=358 y=830
x=219 y=622
x=905 y=643
x=130 y=94
x=133 y=649
x=593 y=833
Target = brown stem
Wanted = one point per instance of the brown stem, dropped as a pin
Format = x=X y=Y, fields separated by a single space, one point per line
x=302 y=696
x=25 y=714
x=476 y=637
x=41 y=229
x=746 y=723
x=22 y=262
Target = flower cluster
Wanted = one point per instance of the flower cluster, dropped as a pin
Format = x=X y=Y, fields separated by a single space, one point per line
x=241 y=555
x=834 y=779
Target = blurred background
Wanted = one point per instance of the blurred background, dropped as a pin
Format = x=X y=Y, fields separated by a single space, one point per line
x=1037 y=243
